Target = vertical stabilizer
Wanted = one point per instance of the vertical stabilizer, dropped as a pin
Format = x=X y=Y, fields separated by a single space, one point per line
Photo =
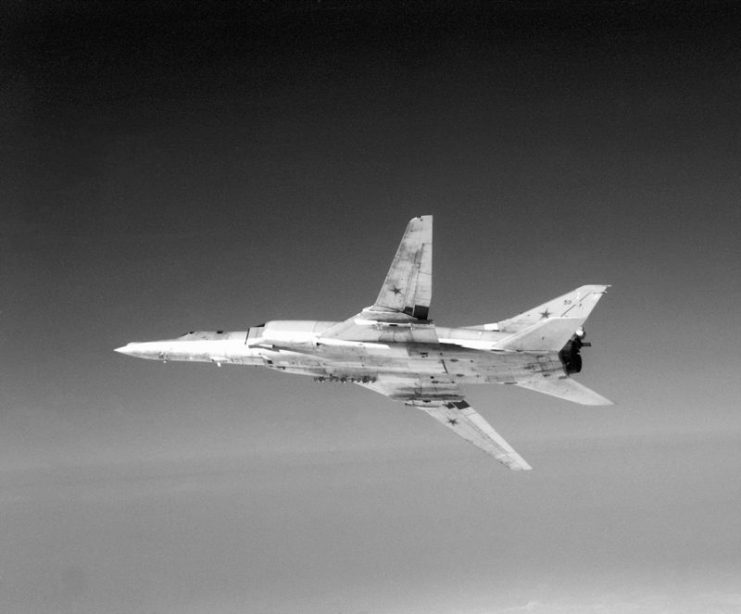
x=577 y=304
x=549 y=326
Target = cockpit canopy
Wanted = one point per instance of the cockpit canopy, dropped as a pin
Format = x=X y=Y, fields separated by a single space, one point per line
x=211 y=335
x=195 y=335
x=223 y=335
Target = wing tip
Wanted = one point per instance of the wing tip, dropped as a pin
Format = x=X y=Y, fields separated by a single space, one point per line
x=420 y=222
x=518 y=464
x=599 y=401
x=524 y=467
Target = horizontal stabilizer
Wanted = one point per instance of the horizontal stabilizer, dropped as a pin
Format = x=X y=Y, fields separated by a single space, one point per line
x=565 y=388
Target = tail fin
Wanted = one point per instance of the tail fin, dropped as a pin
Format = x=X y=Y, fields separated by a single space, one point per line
x=550 y=325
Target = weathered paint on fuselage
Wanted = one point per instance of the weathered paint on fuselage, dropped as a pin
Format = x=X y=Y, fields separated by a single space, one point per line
x=295 y=347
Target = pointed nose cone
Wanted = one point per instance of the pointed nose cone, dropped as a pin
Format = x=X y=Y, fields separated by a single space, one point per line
x=138 y=350
x=150 y=350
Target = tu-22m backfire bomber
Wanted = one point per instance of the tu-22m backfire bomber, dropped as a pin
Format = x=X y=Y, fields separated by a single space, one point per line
x=393 y=348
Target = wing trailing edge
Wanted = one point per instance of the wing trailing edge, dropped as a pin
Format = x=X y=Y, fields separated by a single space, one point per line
x=565 y=388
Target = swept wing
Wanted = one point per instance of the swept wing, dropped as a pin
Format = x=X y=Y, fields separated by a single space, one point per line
x=408 y=284
x=400 y=313
x=444 y=402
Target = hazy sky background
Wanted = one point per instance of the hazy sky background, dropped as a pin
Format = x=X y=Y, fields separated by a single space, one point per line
x=169 y=167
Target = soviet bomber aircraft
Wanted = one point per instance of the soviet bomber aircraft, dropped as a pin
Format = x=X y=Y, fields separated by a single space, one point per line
x=393 y=348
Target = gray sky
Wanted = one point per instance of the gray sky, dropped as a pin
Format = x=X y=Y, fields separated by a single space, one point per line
x=170 y=169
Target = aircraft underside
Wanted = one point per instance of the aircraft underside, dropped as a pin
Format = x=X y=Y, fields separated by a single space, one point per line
x=393 y=348
x=432 y=363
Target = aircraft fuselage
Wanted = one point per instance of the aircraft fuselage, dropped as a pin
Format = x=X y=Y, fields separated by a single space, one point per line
x=392 y=348
x=296 y=347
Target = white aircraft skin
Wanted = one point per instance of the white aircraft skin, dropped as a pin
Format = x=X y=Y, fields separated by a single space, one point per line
x=393 y=348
